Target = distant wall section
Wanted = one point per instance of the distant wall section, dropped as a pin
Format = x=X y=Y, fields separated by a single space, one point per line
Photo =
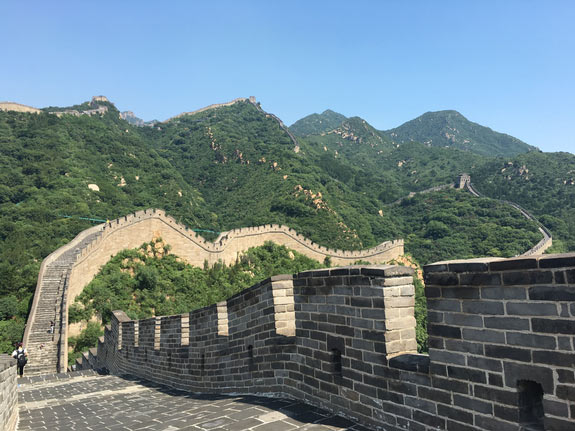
x=133 y=230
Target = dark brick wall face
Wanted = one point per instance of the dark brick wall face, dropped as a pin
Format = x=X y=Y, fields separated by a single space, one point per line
x=496 y=324
x=344 y=339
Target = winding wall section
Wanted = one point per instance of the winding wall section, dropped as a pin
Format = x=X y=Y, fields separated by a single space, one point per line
x=541 y=246
x=65 y=273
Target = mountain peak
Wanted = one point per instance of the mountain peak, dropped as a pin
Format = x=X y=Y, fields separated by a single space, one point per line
x=449 y=128
x=316 y=124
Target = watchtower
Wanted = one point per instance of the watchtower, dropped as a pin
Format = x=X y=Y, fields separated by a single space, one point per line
x=462 y=181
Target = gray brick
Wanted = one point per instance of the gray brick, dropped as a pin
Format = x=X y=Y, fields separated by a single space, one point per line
x=531 y=309
x=483 y=335
x=507 y=323
x=503 y=293
x=444 y=305
x=463 y=319
x=446 y=357
x=483 y=307
x=531 y=340
x=552 y=293
x=514 y=372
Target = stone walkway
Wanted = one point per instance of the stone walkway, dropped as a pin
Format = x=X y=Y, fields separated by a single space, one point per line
x=87 y=401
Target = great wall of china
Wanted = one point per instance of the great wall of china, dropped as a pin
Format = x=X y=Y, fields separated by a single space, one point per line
x=68 y=270
x=65 y=272
x=501 y=345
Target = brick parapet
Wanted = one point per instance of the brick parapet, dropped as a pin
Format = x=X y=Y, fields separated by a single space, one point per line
x=8 y=394
x=309 y=336
x=493 y=323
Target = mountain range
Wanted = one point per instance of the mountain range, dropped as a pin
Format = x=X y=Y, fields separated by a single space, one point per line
x=337 y=180
x=448 y=129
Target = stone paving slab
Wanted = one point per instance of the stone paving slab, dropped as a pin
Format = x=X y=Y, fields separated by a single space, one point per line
x=93 y=402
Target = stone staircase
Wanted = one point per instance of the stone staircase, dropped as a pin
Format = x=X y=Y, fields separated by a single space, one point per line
x=44 y=348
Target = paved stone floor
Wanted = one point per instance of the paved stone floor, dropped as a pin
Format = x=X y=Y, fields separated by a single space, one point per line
x=87 y=401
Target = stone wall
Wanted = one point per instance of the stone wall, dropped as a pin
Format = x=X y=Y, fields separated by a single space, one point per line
x=8 y=394
x=318 y=336
x=94 y=247
x=213 y=106
x=133 y=230
x=501 y=345
x=497 y=326
x=17 y=107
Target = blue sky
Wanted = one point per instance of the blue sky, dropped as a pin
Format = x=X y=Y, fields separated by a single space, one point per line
x=508 y=65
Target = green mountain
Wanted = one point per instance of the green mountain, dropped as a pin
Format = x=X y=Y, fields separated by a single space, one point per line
x=316 y=124
x=453 y=130
x=54 y=170
x=544 y=183
x=235 y=165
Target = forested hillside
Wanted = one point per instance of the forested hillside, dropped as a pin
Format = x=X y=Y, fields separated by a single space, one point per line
x=46 y=167
x=451 y=129
x=235 y=166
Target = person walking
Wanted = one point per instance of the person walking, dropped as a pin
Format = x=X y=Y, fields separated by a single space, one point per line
x=21 y=356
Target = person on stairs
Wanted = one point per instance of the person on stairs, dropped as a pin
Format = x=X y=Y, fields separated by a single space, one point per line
x=21 y=356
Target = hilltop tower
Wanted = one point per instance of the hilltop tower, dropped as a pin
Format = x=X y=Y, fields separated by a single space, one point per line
x=463 y=180
x=97 y=99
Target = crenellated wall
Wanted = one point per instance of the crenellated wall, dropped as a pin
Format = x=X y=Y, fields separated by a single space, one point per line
x=65 y=273
x=502 y=353
x=133 y=230
x=495 y=324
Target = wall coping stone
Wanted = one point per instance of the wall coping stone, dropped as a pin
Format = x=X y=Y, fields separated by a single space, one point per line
x=6 y=361
x=373 y=271
x=485 y=264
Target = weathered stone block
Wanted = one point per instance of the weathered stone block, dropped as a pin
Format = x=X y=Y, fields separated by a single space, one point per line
x=553 y=326
x=460 y=292
x=531 y=309
x=480 y=279
x=503 y=293
x=458 y=319
x=531 y=340
x=510 y=264
x=552 y=293
x=505 y=352
x=483 y=307
x=483 y=335
x=444 y=305
x=507 y=323
x=444 y=331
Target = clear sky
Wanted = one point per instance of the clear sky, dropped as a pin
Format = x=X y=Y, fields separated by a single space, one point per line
x=508 y=65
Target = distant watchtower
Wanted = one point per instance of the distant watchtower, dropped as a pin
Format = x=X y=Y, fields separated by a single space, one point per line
x=96 y=99
x=462 y=181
